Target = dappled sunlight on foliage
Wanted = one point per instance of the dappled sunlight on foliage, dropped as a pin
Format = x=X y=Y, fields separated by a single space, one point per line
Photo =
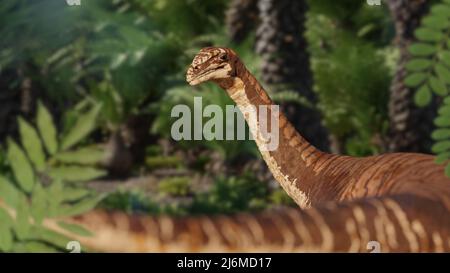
x=87 y=96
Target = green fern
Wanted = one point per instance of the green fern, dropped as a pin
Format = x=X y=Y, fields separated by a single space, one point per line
x=429 y=73
x=41 y=183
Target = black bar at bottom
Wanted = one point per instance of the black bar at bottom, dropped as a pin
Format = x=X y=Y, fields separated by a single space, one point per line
x=236 y=262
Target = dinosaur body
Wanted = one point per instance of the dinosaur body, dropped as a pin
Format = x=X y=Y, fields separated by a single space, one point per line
x=311 y=176
x=400 y=200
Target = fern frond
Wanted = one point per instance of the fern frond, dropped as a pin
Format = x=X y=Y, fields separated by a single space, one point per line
x=429 y=73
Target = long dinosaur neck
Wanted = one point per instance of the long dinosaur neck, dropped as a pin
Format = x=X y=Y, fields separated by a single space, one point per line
x=295 y=171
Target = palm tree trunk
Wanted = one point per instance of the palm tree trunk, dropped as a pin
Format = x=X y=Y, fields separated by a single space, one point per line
x=285 y=61
x=410 y=126
x=241 y=19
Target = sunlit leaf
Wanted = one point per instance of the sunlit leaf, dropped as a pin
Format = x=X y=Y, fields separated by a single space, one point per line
x=8 y=192
x=442 y=121
x=81 y=207
x=21 y=166
x=415 y=79
x=83 y=126
x=443 y=73
x=441 y=9
x=118 y=60
x=55 y=190
x=436 y=22
x=85 y=156
x=47 y=129
x=423 y=96
x=428 y=35
x=5 y=218
x=438 y=86
x=46 y=235
x=442 y=158
x=441 y=146
x=445 y=57
x=32 y=144
x=418 y=64
x=444 y=110
x=74 y=228
x=73 y=194
x=76 y=173
x=422 y=49
x=39 y=206
x=440 y=134
x=34 y=247
x=22 y=224
x=6 y=238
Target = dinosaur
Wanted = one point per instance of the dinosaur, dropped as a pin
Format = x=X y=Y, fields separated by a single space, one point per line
x=399 y=200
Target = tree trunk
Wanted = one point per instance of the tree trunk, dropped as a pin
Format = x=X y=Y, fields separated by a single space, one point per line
x=241 y=19
x=410 y=126
x=285 y=61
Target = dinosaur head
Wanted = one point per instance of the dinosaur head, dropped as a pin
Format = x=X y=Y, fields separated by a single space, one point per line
x=212 y=63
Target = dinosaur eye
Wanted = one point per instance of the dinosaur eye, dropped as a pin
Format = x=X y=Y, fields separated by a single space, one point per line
x=196 y=67
x=223 y=57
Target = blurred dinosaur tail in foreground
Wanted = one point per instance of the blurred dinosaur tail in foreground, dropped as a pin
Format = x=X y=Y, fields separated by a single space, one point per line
x=399 y=224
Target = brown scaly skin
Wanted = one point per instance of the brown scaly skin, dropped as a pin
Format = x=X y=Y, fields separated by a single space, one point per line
x=400 y=200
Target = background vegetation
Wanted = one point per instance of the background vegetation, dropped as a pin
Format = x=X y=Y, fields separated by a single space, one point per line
x=86 y=93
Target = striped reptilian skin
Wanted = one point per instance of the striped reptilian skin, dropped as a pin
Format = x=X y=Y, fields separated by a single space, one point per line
x=400 y=200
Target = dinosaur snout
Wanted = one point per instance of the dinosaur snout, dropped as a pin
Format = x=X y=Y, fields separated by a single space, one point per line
x=190 y=76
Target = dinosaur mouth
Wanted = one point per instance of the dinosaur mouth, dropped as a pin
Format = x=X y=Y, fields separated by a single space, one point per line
x=193 y=79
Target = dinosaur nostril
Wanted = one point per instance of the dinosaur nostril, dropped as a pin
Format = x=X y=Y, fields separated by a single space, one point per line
x=196 y=67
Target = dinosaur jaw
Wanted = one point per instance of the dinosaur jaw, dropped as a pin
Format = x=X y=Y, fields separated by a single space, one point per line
x=221 y=72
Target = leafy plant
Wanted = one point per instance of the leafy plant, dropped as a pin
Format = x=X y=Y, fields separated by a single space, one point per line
x=129 y=201
x=176 y=186
x=211 y=95
x=155 y=162
x=46 y=182
x=350 y=75
x=231 y=195
x=227 y=195
x=280 y=197
x=429 y=73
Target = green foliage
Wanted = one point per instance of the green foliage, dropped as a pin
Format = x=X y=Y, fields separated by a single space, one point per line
x=350 y=56
x=83 y=156
x=429 y=73
x=21 y=166
x=40 y=187
x=186 y=18
x=130 y=201
x=114 y=43
x=175 y=186
x=428 y=69
x=211 y=95
x=84 y=125
x=227 y=195
x=231 y=195
x=32 y=144
x=280 y=197
x=288 y=96
x=370 y=23
x=352 y=82
x=155 y=162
